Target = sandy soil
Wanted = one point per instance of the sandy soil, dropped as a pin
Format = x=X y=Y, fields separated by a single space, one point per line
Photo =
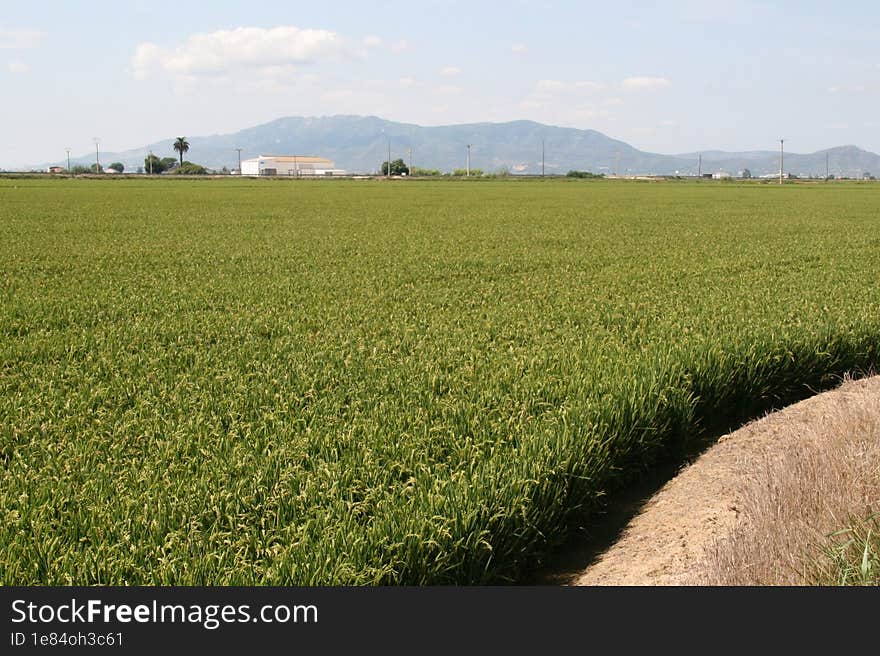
x=665 y=543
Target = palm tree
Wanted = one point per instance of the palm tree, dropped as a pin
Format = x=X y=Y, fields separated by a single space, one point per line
x=181 y=146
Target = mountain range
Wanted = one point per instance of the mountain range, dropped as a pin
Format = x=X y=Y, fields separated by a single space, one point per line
x=359 y=144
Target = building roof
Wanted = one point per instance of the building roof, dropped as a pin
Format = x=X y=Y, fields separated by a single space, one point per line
x=302 y=159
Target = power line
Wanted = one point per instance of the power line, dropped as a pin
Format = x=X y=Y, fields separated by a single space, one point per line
x=97 y=140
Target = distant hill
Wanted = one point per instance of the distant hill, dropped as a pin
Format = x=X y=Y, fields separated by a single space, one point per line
x=848 y=161
x=360 y=144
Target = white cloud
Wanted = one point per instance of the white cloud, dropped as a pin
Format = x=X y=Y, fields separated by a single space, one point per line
x=372 y=41
x=555 y=86
x=855 y=88
x=585 y=113
x=732 y=11
x=242 y=48
x=450 y=71
x=519 y=48
x=400 y=46
x=567 y=102
x=17 y=67
x=19 y=39
x=337 y=95
x=668 y=123
x=639 y=83
x=550 y=85
x=406 y=81
x=447 y=90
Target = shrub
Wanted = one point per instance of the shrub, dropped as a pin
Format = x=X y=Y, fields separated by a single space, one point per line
x=188 y=168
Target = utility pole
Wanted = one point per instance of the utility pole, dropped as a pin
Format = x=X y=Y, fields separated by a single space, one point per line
x=295 y=168
x=150 y=160
x=826 y=166
x=410 y=161
x=239 y=160
x=618 y=164
x=388 y=170
x=700 y=166
x=97 y=158
x=468 y=169
x=542 y=158
x=68 y=159
x=781 y=159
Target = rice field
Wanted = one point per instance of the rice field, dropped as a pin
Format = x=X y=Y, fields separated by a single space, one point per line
x=362 y=382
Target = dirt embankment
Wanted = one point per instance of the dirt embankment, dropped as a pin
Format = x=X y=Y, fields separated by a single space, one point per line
x=763 y=493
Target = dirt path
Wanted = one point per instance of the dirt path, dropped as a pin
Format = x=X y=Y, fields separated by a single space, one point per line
x=665 y=542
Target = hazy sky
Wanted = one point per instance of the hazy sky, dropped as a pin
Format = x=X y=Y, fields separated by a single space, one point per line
x=667 y=77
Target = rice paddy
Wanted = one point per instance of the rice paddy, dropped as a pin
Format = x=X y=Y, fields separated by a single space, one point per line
x=360 y=382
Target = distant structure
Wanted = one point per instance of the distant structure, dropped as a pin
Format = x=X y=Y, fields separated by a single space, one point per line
x=55 y=169
x=289 y=165
x=721 y=175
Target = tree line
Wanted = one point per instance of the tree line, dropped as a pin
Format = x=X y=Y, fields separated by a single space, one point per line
x=152 y=163
x=156 y=165
x=399 y=167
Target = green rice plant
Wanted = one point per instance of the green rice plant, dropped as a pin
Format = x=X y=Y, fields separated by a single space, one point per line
x=350 y=382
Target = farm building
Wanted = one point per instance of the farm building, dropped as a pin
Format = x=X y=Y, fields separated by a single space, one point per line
x=295 y=165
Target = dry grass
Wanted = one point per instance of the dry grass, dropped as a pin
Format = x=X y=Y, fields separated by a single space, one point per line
x=808 y=512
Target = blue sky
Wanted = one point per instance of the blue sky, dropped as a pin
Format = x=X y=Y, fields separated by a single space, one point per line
x=673 y=77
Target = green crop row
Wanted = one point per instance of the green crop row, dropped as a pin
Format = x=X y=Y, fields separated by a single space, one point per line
x=359 y=382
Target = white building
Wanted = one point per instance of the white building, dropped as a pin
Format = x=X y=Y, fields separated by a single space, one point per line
x=289 y=165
